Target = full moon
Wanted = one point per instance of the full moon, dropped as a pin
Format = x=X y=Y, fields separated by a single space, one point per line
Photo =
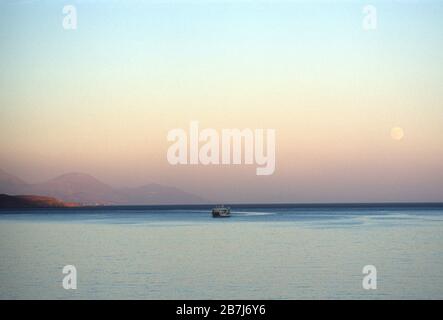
x=397 y=133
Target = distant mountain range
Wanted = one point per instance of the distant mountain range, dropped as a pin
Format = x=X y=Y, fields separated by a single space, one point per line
x=85 y=189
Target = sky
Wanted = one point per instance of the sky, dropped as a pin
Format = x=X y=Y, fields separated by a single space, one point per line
x=102 y=98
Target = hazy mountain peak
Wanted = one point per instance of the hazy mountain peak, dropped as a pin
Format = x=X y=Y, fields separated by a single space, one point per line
x=76 y=178
x=10 y=183
x=6 y=177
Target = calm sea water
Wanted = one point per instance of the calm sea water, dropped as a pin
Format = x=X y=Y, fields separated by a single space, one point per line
x=261 y=252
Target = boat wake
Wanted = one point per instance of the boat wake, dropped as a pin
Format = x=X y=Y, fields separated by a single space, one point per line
x=253 y=213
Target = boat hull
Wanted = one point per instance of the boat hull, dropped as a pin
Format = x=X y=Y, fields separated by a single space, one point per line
x=218 y=215
x=221 y=213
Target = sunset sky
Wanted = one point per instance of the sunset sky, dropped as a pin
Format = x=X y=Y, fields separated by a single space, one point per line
x=101 y=99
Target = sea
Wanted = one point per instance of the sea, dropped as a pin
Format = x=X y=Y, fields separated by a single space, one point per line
x=282 y=251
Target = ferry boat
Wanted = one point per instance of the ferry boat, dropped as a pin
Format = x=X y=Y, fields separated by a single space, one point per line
x=221 y=212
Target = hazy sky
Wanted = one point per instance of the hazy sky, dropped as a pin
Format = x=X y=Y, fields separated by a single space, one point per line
x=100 y=99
